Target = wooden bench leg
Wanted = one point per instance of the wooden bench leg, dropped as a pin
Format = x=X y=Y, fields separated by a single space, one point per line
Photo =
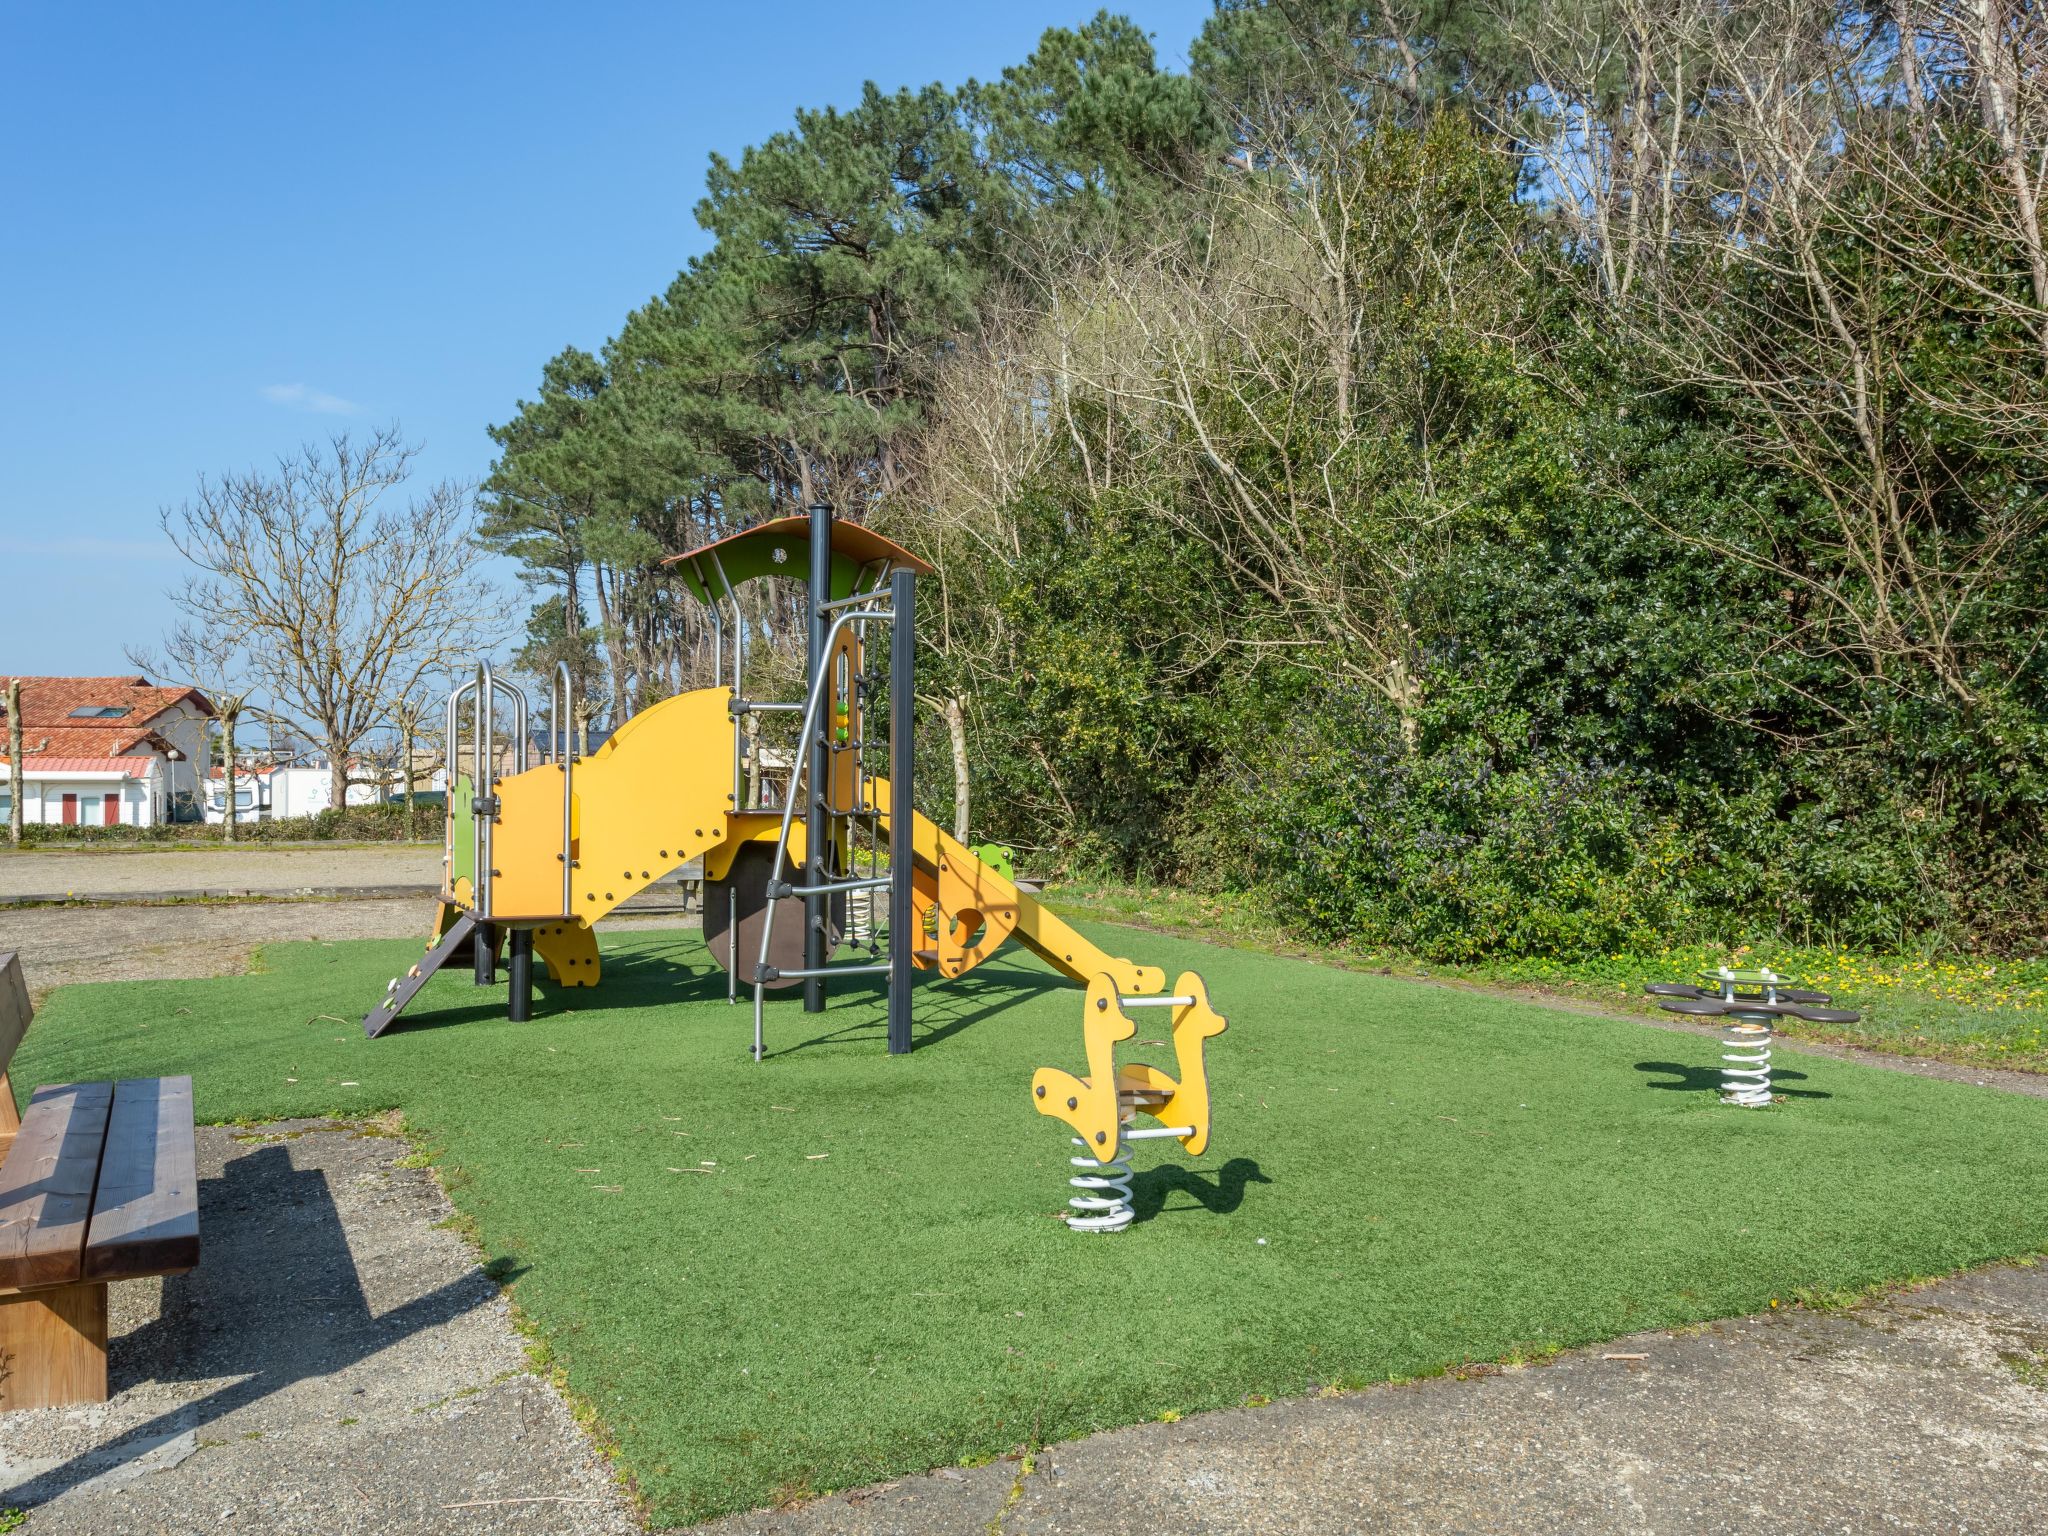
x=53 y=1347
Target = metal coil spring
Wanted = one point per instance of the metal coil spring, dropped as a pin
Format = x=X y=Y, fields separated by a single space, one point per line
x=1104 y=1204
x=1746 y=1064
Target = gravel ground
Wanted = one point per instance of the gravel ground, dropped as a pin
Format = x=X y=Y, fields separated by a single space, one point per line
x=134 y=941
x=62 y=945
x=128 y=874
x=338 y=1363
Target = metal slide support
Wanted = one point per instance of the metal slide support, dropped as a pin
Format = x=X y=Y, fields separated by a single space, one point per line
x=817 y=822
x=519 y=961
x=902 y=752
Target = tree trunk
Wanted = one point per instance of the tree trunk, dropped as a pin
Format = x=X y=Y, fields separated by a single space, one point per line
x=227 y=773
x=14 y=773
x=956 y=728
x=337 y=775
x=1999 y=87
x=1908 y=35
x=610 y=617
x=1405 y=692
x=405 y=745
x=753 y=728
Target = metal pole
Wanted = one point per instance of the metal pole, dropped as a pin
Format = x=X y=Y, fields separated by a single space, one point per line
x=817 y=825
x=902 y=696
x=564 y=718
x=483 y=746
x=519 y=956
x=485 y=776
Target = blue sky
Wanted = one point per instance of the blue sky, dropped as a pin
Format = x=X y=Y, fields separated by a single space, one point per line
x=229 y=229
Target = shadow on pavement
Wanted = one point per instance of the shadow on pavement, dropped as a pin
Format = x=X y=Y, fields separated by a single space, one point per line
x=275 y=1300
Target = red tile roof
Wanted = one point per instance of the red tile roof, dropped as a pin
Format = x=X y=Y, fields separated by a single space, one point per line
x=52 y=700
x=52 y=732
x=70 y=742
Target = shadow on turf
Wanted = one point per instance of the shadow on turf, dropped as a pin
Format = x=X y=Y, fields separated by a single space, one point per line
x=681 y=972
x=1219 y=1196
x=276 y=1300
x=941 y=1010
x=1691 y=1079
x=635 y=978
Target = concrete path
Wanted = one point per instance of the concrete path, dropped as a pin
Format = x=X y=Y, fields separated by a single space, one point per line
x=338 y=1363
x=1924 y=1413
x=158 y=874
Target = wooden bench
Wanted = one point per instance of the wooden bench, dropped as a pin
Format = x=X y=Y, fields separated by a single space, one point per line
x=100 y=1183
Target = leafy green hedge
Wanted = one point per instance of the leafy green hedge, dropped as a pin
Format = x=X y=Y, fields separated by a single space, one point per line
x=354 y=824
x=1453 y=856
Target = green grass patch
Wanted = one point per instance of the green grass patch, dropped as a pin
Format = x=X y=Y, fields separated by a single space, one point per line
x=1972 y=1010
x=865 y=1275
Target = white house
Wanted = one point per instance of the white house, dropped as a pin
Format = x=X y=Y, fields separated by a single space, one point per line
x=97 y=751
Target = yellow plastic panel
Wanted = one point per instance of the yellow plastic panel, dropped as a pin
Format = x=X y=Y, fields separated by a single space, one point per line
x=652 y=797
x=526 y=844
x=843 y=730
x=978 y=911
x=1088 y=1104
x=1193 y=1023
x=570 y=950
x=752 y=828
x=1038 y=929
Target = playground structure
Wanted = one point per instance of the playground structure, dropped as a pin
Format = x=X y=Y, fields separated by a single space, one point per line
x=1751 y=1001
x=534 y=859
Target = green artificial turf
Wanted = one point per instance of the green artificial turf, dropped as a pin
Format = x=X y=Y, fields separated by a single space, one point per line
x=869 y=1278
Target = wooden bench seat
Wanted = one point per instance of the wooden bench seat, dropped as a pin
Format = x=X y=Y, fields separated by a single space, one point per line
x=100 y=1183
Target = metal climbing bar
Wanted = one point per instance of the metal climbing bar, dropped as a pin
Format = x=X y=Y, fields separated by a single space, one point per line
x=812 y=704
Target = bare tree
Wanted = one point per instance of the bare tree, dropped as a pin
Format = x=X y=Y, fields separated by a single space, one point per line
x=209 y=658
x=1610 y=123
x=1824 y=245
x=15 y=785
x=344 y=598
x=408 y=715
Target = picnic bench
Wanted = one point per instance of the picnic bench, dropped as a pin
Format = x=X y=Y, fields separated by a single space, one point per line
x=100 y=1183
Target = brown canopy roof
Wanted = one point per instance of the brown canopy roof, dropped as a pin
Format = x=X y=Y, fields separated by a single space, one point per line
x=782 y=547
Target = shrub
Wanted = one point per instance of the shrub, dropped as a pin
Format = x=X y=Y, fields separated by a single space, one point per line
x=353 y=824
x=1452 y=855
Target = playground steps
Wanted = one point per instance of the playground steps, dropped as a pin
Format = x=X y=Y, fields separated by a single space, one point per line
x=458 y=942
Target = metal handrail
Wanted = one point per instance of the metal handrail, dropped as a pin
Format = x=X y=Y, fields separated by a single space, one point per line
x=563 y=719
x=831 y=888
x=483 y=756
x=799 y=768
x=450 y=757
x=482 y=744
